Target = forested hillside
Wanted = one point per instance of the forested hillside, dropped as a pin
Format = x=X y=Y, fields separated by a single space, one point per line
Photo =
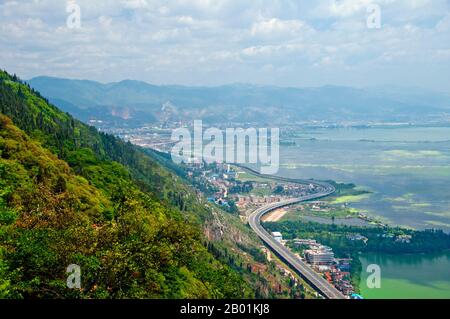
x=72 y=195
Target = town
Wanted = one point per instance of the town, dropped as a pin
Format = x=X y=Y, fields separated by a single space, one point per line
x=233 y=189
x=321 y=258
x=237 y=191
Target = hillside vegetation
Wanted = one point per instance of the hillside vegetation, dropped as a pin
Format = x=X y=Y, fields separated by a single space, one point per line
x=72 y=195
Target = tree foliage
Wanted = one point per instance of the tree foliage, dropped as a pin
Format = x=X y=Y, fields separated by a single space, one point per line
x=72 y=195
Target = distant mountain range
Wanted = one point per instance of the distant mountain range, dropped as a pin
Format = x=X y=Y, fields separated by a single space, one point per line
x=136 y=102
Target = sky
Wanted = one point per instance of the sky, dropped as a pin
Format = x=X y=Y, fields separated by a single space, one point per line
x=213 y=42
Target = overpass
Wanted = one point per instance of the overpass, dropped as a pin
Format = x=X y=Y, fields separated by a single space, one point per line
x=304 y=270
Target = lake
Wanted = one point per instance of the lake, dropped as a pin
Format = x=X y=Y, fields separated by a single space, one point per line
x=408 y=276
x=407 y=169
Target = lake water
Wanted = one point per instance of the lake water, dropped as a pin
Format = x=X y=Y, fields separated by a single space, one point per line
x=406 y=169
x=408 y=276
x=408 y=172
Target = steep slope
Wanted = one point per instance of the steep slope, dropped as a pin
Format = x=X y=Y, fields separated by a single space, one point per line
x=85 y=149
x=131 y=179
x=130 y=225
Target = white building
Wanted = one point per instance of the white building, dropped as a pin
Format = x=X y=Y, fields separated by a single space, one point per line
x=277 y=236
x=320 y=256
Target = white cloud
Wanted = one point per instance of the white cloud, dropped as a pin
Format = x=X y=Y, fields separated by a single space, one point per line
x=348 y=7
x=276 y=26
x=191 y=41
x=135 y=4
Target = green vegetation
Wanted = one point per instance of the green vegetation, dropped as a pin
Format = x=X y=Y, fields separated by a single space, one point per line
x=72 y=195
x=347 y=193
x=239 y=246
x=350 y=199
x=261 y=192
x=333 y=213
x=247 y=176
x=379 y=239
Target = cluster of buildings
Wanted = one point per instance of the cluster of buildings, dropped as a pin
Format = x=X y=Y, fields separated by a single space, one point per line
x=358 y=237
x=247 y=201
x=341 y=280
x=275 y=192
x=406 y=239
x=225 y=182
x=222 y=185
x=335 y=270
x=219 y=178
x=297 y=190
x=320 y=256
x=320 y=207
x=148 y=136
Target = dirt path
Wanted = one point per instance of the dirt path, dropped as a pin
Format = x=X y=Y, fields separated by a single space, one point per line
x=274 y=216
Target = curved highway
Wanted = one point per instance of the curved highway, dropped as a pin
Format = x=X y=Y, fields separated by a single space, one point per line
x=303 y=269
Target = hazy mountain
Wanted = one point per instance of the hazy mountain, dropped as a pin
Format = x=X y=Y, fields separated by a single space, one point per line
x=240 y=103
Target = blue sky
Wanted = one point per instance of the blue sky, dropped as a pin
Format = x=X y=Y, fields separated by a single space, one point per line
x=206 y=42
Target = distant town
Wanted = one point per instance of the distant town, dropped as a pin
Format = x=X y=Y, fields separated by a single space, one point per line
x=232 y=188
x=237 y=191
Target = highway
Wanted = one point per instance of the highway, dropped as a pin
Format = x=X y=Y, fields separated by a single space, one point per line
x=304 y=270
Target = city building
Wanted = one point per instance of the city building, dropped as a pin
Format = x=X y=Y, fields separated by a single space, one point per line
x=403 y=239
x=344 y=264
x=345 y=287
x=277 y=236
x=320 y=256
x=358 y=237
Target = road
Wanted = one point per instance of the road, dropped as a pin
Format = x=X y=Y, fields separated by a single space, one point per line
x=303 y=269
